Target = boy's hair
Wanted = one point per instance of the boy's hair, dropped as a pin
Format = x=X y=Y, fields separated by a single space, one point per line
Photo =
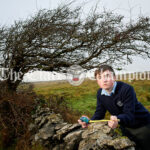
x=103 y=68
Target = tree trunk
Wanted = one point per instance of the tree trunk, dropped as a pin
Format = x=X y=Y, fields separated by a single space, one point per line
x=8 y=87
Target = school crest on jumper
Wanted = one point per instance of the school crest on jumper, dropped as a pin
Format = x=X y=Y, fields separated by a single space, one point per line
x=119 y=103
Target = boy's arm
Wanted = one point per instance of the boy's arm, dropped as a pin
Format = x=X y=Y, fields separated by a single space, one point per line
x=100 y=109
x=127 y=116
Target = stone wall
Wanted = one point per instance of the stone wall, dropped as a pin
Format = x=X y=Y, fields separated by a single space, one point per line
x=51 y=131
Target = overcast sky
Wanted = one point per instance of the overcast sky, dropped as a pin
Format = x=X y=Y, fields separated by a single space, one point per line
x=13 y=10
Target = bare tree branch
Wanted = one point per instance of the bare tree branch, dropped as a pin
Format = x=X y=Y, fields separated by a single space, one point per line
x=53 y=40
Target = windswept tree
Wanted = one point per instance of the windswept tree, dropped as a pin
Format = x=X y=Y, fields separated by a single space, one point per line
x=53 y=40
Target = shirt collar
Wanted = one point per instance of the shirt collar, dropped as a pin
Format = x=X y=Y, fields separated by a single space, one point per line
x=104 y=92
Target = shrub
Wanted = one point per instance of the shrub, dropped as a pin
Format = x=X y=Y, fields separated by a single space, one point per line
x=15 y=115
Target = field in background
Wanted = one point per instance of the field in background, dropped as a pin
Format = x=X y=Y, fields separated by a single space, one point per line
x=83 y=98
x=79 y=98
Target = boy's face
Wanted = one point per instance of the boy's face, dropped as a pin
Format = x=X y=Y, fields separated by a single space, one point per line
x=105 y=80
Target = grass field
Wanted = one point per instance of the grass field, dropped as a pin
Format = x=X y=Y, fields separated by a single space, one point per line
x=83 y=98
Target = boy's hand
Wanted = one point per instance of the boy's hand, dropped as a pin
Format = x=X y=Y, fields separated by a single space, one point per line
x=113 y=123
x=83 y=124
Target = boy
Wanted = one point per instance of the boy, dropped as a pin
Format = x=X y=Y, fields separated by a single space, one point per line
x=120 y=100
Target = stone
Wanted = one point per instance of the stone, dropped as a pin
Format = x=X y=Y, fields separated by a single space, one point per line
x=51 y=131
x=44 y=133
x=72 y=140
